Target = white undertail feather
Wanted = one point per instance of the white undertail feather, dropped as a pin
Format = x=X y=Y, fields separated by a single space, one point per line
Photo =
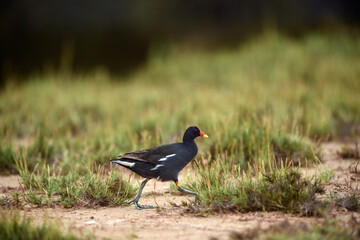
x=127 y=164
x=166 y=157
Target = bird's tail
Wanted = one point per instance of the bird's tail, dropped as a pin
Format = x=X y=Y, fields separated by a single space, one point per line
x=123 y=162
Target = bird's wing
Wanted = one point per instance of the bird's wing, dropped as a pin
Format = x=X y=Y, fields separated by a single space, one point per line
x=152 y=155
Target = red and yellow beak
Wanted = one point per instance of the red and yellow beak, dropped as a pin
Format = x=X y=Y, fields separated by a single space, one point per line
x=203 y=134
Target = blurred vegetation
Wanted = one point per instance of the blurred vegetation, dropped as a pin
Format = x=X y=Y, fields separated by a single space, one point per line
x=16 y=227
x=329 y=229
x=265 y=99
x=268 y=101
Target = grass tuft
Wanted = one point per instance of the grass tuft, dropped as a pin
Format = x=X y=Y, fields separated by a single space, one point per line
x=224 y=187
x=15 y=227
x=96 y=188
x=7 y=202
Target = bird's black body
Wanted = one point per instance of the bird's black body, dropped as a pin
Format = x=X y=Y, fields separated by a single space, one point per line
x=164 y=162
x=154 y=163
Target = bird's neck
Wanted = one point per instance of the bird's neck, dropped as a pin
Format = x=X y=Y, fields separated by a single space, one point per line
x=188 y=139
x=191 y=144
x=191 y=151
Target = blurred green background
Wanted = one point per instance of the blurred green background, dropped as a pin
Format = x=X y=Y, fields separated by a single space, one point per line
x=83 y=81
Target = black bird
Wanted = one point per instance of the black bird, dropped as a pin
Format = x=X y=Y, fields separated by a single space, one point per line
x=163 y=162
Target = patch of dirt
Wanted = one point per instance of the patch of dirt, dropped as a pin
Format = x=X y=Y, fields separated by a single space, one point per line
x=11 y=181
x=345 y=171
x=165 y=223
x=8 y=184
x=169 y=222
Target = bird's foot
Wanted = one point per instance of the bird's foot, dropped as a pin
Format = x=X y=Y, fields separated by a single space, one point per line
x=187 y=191
x=197 y=199
x=139 y=206
x=132 y=201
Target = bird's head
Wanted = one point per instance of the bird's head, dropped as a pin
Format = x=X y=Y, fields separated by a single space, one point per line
x=193 y=132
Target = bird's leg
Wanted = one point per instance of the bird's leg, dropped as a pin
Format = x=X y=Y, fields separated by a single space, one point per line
x=185 y=190
x=137 y=197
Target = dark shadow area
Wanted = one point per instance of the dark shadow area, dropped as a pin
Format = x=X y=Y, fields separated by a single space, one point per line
x=81 y=35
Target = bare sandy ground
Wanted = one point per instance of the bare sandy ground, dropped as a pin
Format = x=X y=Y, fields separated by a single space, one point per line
x=127 y=222
x=169 y=222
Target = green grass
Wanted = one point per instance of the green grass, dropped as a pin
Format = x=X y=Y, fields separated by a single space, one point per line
x=95 y=188
x=269 y=101
x=14 y=227
x=7 y=156
x=10 y=202
x=223 y=186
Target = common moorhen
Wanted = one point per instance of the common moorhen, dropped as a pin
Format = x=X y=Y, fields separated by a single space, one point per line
x=163 y=162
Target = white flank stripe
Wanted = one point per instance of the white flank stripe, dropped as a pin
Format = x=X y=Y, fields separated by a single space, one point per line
x=166 y=158
x=157 y=166
x=128 y=164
